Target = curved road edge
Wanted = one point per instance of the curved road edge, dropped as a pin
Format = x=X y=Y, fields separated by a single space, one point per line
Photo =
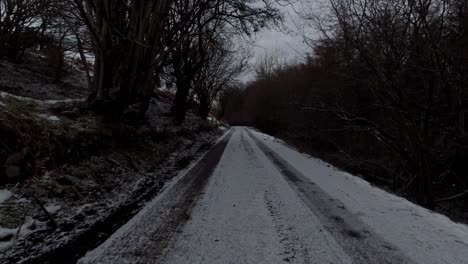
x=354 y=236
x=165 y=214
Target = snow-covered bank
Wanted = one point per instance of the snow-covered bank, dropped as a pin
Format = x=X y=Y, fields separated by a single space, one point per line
x=422 y=235
x=40 y=134
x=33 y=79
x=74 y=205
x=5 y=95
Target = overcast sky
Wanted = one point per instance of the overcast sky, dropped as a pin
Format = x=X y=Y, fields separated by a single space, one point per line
x=288 y=43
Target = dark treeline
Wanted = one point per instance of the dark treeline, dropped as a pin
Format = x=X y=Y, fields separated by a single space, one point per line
x=127 y=48
x=384 y=95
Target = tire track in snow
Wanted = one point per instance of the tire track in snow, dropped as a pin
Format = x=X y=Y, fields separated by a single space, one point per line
x=279 y=222
x=283 y=230
x=294 y=249
x=353 y=235
x=248 y=148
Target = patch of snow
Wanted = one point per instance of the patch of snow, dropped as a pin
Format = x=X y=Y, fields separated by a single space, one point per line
x=21 y=98
x=49 y=117
x=53 y=208
x=28 y=99
x=6 y=237
x=63 y=101
x=2 y=104
x=4 y=195
x=90 y=58
x=22 y=200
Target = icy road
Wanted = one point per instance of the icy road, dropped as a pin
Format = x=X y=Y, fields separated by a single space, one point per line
x=252 y=199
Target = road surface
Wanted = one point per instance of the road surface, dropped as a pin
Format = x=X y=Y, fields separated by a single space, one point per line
x=253 y=199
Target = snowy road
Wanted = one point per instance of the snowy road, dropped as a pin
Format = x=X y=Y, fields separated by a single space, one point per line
x=252 y=199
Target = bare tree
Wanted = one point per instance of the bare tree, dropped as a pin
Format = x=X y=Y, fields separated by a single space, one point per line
x=267 y=64
x=128 y=46
x=221 y=70
x=404 y=44
x=209 y=19
x=20 y=24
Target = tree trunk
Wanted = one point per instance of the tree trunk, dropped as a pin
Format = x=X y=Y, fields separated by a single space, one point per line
x=203 y=108
x=179 y=106
x=103 y=82
x=126 y=42
x=425 y=191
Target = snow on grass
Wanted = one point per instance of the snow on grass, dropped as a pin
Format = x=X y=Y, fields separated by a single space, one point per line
x=8 y=236
x=90 y=58
x=96 y=203
x=4 y=195
x=63 y=101
x=49 y=117
x=5 y=95
x=53 y=208
x=423 y=235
